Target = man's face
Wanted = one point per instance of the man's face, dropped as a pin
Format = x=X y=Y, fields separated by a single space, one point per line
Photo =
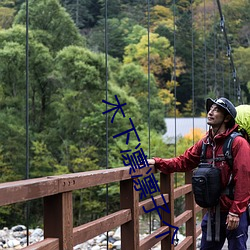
x=215 y=116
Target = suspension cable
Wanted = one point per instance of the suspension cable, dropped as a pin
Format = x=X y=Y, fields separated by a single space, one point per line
x=148 y=27
x=106 y=82
x=192 y=76
x=229 y=53
x=175 y=95
x=205 y=50
x=149 y=121
x=27 y=207
x=221 y=68
x=215 y=52
x=174 y=75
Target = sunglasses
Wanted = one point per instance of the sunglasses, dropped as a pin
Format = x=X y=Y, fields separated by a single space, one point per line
x=221 y=102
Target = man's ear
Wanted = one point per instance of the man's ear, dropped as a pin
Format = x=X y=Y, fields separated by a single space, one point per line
x=228 y=118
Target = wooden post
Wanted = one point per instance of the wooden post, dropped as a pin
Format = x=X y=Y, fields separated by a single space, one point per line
x=129 y=198
x=167 y=187
x=190 y=205
x=58 y=219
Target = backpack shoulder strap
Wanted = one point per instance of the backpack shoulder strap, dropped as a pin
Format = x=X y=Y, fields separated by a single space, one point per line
x=227 y=148
x=203 y=152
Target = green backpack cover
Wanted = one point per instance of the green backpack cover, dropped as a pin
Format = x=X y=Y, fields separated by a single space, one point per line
x=243 y=119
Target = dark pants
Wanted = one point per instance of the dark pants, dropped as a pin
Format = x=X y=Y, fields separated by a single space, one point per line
x=237 y=238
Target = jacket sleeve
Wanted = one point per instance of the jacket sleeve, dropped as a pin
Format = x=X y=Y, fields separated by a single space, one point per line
x=241 y=175
x=185 y=162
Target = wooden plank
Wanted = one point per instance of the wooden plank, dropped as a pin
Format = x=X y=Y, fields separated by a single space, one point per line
x=94 y=178
x=190 y=205
x=182 y=190
x=198 y=231
x=46 y=244
x=150 y=240
x=182 y=218
x=185 y=244
x=129 y=198
x=58 y=219
x=90 y=230
x=148 y=204
x=167 y=187
x=24 y=190
x=198 y=209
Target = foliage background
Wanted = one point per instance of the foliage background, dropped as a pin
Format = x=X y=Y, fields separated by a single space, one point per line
x=82 y=51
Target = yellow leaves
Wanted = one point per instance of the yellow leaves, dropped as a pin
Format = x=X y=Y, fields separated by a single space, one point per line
x=179 y=69
x=170 y=102
x=171 y=85
x=161 y=16
x=159 y=53
x=6 y=17
x=195 y=134
x=189 y=139
x=203 y=114
x=160 y=12
x=166 y=96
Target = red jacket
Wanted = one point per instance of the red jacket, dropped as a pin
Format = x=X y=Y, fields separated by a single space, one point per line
x=241 y=167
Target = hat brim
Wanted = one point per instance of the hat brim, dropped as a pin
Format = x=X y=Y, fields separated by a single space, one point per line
x=209 y=103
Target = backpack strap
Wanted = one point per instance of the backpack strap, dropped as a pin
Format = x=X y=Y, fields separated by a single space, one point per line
x=227 y=148
x=227 y=151
x=203 y=152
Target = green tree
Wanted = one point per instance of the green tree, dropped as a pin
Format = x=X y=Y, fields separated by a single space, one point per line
x=78 y=103
x=241 y=56
x=161 y=57
x=136 y=83
x=53 y=25
x=84 y=13
x=6 y=17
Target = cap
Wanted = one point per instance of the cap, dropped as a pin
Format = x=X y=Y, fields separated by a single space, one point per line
x=223 y=103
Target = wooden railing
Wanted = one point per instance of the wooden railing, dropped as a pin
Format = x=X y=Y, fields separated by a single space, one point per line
x=59 y=232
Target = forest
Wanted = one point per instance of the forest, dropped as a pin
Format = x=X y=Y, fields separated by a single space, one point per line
x=162 y=58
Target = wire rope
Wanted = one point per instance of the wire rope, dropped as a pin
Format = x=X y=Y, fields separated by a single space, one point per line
x=222 y=68
x=106 y=82
x=236 y=83
x=215 y=52
x=149 y=94
x=174 y=78
x=77 y=13
x=175 y=95
x=205 y=49
x=192 y=73
x=27 y=207
x=149 y=122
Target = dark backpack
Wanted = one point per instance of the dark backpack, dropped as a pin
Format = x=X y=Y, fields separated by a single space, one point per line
x=206 y=180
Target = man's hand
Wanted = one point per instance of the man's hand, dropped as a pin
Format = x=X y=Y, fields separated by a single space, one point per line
x=151 y=161
x=232 y=221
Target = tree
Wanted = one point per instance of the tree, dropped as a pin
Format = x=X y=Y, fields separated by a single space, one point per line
x=84 y=13
x=242 y=65
x=40 y=60
x=53 y=25
x=132 y=78
x=78 y=102
x=161 y=60
x=117 y=30
x=6 y=17
x=161 y=16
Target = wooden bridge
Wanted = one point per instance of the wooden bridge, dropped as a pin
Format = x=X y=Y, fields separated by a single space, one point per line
x=59 y=233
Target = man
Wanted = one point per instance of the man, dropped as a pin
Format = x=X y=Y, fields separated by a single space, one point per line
x=221 y=115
